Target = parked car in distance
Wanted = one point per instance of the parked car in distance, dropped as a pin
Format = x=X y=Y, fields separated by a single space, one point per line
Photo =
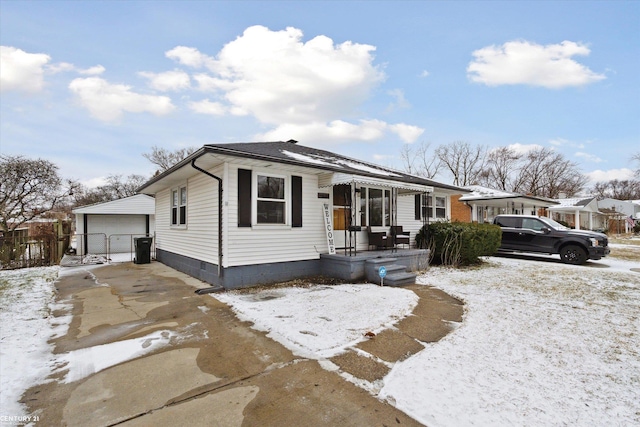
x=527 y=233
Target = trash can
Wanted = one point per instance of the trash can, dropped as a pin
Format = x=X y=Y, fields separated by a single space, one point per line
x=143 y=250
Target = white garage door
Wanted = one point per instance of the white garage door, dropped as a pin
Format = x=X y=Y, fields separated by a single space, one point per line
x=118 y=229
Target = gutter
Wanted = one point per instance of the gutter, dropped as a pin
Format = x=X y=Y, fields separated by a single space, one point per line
x=193 y=164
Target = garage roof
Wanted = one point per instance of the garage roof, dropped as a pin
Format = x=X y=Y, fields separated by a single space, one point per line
x=140 y=204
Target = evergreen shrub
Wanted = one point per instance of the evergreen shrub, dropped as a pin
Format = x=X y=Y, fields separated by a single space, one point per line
x=458 y=243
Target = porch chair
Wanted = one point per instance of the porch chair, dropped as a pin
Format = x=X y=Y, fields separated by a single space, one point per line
x=378 y=239
x=399 y=237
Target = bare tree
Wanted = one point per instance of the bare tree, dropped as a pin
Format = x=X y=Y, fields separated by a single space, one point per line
x=616 y=189
x=501 y=168
x=546 y=173
x=115 y=188
x=164 y=158
x=636 y=159
x=464 y=161
x=419 y=160
x=28 y=189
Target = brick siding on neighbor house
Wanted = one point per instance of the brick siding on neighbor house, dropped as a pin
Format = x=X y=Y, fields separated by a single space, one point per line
x=459 y=210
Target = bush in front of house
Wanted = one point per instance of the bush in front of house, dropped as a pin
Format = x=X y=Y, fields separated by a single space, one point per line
x=457 y=243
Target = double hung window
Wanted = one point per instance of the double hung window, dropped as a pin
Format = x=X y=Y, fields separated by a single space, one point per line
x=429 y=206
x=179 y=206
x=271 y=202
x=265 y=199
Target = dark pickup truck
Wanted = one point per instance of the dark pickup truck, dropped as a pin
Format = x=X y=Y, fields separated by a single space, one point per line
x=524 y=233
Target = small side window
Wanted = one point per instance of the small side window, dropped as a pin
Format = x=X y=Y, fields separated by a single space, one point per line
x=179 y=206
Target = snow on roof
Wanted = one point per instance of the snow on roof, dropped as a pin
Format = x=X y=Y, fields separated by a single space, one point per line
x=573 y=202
x=307 y=158
x=480 y=192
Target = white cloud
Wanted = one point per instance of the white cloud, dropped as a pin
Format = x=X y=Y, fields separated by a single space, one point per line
x=407 y=133
x=523 y=62
x=208 y=107
x=608 y=175
x=65 y=66
x=60 y=67
x=424 y=73
x=92 y=71
x=559 y=142
x=400 y=101
x=588 y=157
x=524 y=149
x=108 y=102
x=169 y=80
x=338 y=131
x=292 y=85
x=321 y=132
x=21 y=71
x=189 y=56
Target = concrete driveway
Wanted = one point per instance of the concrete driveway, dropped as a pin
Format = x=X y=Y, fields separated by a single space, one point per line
x=214 y=370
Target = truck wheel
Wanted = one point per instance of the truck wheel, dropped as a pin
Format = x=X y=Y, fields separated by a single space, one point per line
x=573 y=254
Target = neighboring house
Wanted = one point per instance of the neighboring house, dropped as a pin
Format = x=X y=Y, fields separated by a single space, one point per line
x=246 y=213
x=622 y=215
x=482 y=204
x=111 y=226
x=579 y=213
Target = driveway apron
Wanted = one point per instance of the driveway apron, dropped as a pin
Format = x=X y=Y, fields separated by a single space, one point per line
x=195 y=363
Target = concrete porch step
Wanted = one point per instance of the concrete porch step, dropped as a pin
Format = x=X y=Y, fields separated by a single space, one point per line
x=400 y=279
x=397 y=274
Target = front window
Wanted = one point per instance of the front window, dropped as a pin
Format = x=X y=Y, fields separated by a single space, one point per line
x=434 y=210
x=271 y=200
x=375 y=207
x=441 y=207
x=341 y=206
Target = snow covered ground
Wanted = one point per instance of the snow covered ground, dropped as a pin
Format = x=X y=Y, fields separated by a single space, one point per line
x=26 y=301
x=542 y=343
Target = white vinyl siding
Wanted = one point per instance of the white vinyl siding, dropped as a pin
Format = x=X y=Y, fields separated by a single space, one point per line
x=241 y=245
x=199 y=239
x=276 y=243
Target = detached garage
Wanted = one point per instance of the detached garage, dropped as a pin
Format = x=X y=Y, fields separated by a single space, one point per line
x=110 y=227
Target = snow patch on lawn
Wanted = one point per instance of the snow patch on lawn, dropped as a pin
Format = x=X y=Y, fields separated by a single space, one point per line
x=322 y=321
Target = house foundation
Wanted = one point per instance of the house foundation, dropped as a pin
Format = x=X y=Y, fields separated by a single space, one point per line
x=401 y=265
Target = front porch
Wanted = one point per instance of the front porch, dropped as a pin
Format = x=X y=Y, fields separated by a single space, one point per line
x=400 y=264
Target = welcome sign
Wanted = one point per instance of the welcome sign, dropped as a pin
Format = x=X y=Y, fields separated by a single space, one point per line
x=329 y=228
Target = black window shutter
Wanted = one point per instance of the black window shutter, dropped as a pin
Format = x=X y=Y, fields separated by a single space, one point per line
x=296 y=201
x=418 y=207
x=244 y=198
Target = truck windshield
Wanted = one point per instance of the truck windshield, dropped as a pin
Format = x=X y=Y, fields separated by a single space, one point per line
x=553 y=224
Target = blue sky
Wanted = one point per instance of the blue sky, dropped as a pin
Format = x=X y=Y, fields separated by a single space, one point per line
x=93 y=85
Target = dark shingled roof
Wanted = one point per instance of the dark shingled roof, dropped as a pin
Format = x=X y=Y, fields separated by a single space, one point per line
x=277 y=151
x=291 y=153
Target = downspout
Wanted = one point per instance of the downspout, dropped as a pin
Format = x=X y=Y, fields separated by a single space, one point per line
x=193 y=164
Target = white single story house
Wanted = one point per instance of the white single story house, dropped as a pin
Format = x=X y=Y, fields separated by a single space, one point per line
x=111 y=226
x=580 y=213
x=239 y=214
x=624 y=214
x=487 y=202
